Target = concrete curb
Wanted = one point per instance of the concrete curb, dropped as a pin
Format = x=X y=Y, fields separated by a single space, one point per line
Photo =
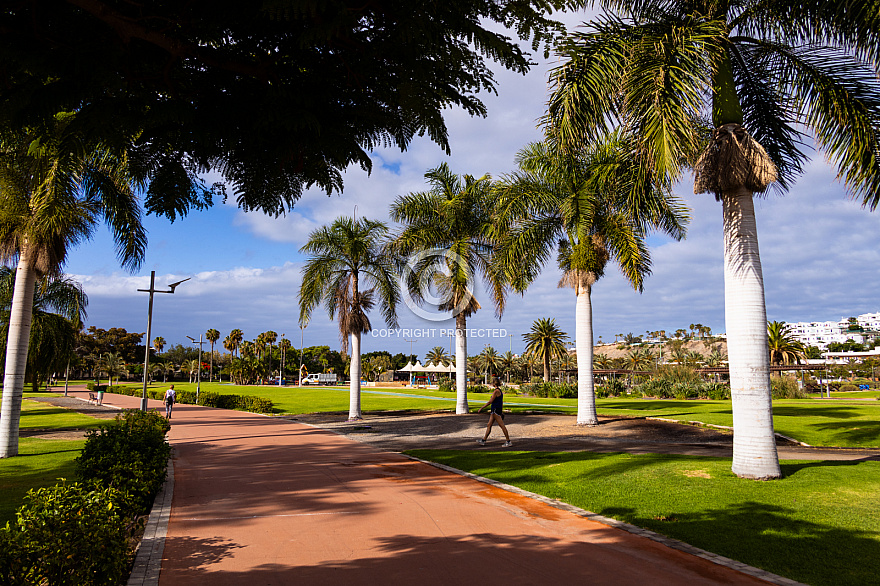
x=667 y=541
x=148 y=560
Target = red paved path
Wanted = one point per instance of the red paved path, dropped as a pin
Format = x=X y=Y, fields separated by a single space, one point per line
x=265 y=501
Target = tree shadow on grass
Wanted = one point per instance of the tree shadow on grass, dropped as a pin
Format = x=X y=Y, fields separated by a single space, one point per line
x=862 y=433
x=766 y=536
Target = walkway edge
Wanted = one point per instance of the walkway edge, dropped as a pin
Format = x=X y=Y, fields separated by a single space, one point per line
x=148 y=560
x=667 y=541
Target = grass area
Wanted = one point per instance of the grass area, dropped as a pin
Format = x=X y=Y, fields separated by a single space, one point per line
x=36 y=415
x=816 y=422
x=40 y=463
x=820 y=524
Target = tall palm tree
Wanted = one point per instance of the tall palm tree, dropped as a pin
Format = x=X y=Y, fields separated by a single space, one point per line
x=59 y=305
x=438 y=355
x=341 y=256
x=212 y=336
x=784 y=347
x=447 y=239
x=270 y=337
x=54 y=190
x=545 y=340
x=590 y=206
x=159 y=344
x=763 y=72
x=284 y=345
x=229 y=345
x=490 y=361
x=508 y=363
x=236 y=337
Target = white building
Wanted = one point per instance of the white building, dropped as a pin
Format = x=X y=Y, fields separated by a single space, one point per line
x=821 y=334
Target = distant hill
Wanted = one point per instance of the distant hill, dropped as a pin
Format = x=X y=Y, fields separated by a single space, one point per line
x=704 y=347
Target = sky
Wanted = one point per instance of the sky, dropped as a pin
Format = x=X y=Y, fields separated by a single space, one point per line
x=820 y=252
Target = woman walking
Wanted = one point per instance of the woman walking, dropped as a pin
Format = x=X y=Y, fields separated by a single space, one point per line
x=496 y=414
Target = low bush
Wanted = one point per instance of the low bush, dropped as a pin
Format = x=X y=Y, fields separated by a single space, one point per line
x=97 y=387
x=446 y=385
x=206 y=398
x=784 y=387
x=550 y=390
x=848 y=388
x=79 y=533
x=69 y=534
x=130 y=455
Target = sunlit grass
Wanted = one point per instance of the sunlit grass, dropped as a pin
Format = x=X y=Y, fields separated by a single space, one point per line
x=819 y=524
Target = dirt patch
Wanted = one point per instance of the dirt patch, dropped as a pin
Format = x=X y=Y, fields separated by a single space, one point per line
x=538 y=432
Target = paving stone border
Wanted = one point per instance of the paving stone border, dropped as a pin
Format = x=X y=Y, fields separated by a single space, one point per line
x=667 y=541
x=148 y=559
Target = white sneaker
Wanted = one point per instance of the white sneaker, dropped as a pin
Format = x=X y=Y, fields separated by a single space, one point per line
x=482 y=442
x=507 y=444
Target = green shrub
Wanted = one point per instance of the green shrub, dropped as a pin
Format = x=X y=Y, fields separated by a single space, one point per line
x=784 y=387
x=130 y=455
x=206 y=398
x=550 y=390
x=69 y=534
x=614 y=388
x=848 y=388
x=97 y=387
x=479 y=389
x=446 y=385
x=718 y=391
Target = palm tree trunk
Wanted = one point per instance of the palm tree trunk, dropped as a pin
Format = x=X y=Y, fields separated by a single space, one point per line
x=546 y=365
x=754 y=442
x=584 y=340
x=461 y=402
x=17 y=343
x=354 y=394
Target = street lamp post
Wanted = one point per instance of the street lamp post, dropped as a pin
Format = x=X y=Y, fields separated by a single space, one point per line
x=152 y=290
x=281 y=371
x=199 y=367
x=302 y=333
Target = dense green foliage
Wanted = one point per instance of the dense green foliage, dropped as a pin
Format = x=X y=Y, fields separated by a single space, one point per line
x=205 y=398
x=69 y=534
x=819 y=524
x=79 y=533
x=275 y=95
x=130 y=456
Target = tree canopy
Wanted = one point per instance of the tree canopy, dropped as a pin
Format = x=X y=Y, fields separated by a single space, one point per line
x=277 y=95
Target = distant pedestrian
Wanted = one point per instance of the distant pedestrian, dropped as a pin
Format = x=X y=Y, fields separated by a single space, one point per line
x=170 y=397
x=496 y=415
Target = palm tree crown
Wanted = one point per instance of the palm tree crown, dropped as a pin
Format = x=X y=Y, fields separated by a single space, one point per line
x=784 y=347
x=545 y=340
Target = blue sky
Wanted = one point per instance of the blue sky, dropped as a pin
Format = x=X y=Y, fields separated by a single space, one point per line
x=819 y=251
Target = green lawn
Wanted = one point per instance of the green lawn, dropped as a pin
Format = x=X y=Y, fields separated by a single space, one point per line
x=40 y=463
x=36 y=415
x=819 y=524
x=816 y=422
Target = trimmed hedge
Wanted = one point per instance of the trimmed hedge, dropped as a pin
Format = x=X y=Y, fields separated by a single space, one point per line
x=206 y=399
x=79 y=533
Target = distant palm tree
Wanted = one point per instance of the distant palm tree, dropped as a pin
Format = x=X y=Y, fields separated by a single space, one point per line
x=545 y=340
x=284 y=345
x=55 y=187
x=168 y=368
x=448 y=238
x=340 y=256
x=784 y=347
x=438 y=355
x=602 y=361
x=247 y=349
x=236 y=337
x=508 y=363
x=212 y=336
x=158 y=344
x=490 y=362
x=270 y=337
x=229 y=345
x=112 y=364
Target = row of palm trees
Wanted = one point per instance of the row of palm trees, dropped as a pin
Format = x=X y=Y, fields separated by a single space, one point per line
x=588 y=207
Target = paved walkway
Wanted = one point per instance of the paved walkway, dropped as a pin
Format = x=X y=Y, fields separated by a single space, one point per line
x=259 y=500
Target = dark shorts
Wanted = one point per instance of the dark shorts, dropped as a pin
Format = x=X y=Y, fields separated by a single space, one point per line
x=499 y=413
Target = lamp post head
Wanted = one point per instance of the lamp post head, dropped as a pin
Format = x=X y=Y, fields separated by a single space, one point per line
x=173 y=286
